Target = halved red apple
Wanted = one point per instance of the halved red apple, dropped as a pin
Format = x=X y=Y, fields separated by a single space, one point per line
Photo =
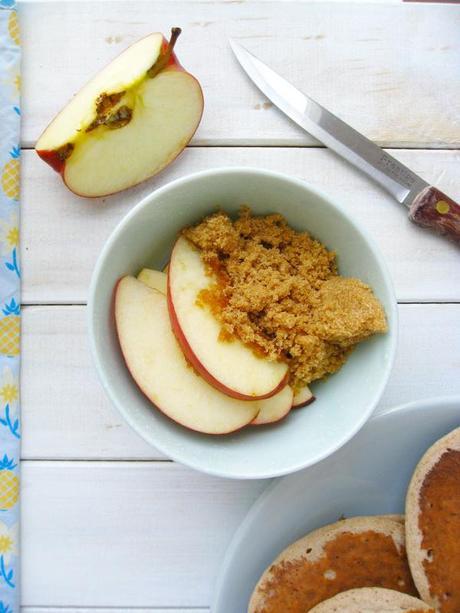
x=230 y=367
x=159 y=368
x=302 y=397
x=125 y=125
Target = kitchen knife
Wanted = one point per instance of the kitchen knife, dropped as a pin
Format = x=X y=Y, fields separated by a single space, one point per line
x=428 y=206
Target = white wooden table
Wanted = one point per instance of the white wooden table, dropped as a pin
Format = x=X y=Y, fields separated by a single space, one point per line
x=107 y=521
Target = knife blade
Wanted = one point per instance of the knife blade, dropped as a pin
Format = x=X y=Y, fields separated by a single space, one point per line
x=428 y=206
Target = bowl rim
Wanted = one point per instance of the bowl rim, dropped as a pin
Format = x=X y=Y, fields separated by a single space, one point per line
x=183 y=458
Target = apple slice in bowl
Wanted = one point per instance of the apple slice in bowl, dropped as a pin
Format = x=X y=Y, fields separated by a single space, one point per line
x=274 y=408
x=154 y=279
x=230 y=367
x=302 y=397
x=271 y=409
x=159 y=368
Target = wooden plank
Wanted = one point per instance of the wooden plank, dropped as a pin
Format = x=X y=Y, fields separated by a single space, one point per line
x=63 y=234
x=67 y=415
x=125 y=534
x=382 y=67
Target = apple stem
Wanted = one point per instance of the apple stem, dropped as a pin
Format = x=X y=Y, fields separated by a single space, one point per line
x=175 y=33
x=165 y=56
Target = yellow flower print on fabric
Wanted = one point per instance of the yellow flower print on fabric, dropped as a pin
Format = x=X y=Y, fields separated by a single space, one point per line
x=10 y=175
x=9 y=400
x=9 y=537
x=8 y=541
x=10 y=418
x=9 y=389
x=9 y=243
x=9 y=233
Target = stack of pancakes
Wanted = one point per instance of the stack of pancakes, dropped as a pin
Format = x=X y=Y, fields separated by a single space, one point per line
x=385 y=563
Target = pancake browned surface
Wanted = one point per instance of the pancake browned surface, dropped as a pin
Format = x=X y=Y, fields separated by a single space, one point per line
x=372 y=600
x=352 y=553
x=433 y=524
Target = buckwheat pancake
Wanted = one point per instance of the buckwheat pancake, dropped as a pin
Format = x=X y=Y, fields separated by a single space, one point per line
x=433 y=524
x=352 y=553
x=372 y=600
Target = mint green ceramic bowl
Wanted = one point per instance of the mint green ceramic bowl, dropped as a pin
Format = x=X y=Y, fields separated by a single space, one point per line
x=344 y=401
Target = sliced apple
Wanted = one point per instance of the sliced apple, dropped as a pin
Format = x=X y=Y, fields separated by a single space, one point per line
x=302 y=397
x=154 y=279
x=130 y=121
x=159 y=368
x=231 y=367
x=274 y=408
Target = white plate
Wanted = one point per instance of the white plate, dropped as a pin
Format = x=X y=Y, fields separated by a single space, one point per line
x=366 y=477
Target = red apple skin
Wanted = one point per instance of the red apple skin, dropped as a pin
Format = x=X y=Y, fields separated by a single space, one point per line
x=304 y=404
x=199 y=367
x=148 y=398
x=51 y=157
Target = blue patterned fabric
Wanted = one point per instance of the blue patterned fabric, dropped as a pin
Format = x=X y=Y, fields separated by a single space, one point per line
x=9 y=307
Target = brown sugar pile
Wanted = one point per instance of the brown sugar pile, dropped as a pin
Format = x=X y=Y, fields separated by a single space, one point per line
x=278 y=291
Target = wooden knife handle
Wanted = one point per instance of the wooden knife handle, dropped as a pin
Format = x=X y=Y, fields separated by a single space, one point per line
x=433 y=209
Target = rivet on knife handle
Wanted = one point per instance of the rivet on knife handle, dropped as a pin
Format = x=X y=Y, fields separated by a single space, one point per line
x=433 y=209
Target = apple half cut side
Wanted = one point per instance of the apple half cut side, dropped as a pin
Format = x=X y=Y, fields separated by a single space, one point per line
x=129 y=122
x=274 y=408
x=230 y=367
x=302 y=397
x=159 y=368
x=154 y=279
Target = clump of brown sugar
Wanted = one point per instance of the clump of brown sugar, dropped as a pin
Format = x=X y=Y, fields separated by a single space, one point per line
x=278 y=291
